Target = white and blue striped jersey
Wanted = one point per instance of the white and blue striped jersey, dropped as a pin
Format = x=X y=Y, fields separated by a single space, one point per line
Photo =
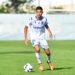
x=37 y=27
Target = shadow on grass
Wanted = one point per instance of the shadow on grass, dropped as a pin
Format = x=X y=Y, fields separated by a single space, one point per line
x=17 y=52
x=32 y=71
x=62 y=68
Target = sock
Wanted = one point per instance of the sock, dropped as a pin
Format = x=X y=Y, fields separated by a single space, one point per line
x=48 y=58
x=38 y=57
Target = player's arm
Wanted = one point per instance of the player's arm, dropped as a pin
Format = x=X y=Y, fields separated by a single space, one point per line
x=25 y=33
x=50 y=33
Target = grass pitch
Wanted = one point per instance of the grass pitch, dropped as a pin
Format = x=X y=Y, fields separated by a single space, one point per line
x=14 y=54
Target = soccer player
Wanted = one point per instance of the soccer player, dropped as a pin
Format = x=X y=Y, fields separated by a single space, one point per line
x=37 y=25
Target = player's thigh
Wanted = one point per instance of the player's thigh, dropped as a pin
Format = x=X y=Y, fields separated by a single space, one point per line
x=37 y=49
x=44 y=44
x=35 y=44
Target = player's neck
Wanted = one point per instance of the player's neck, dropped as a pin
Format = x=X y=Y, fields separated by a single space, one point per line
x=39 y=17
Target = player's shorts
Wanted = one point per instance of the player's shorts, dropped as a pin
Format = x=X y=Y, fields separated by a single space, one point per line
x=41 y=42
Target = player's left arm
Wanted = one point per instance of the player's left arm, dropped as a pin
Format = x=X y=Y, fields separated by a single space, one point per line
x=50 y=33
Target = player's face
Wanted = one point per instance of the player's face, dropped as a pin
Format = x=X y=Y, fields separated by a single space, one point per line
x=39 y=13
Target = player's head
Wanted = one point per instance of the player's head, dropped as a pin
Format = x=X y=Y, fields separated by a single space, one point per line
x=39 y=11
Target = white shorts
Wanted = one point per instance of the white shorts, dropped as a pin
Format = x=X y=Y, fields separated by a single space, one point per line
x=41 y=42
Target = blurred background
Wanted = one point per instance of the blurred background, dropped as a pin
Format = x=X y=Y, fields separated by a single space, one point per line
x=14 y=15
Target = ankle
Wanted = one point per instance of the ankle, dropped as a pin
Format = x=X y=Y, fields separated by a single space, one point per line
x=40 y=64
x=49 y=62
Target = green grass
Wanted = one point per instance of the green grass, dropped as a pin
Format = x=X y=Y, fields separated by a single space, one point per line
x=14 y=54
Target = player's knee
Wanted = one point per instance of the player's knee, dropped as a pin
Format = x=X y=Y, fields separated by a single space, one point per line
x=48 y=53
x=37 y=51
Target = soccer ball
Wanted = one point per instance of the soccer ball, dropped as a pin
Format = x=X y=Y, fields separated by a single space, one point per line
x=28 y=67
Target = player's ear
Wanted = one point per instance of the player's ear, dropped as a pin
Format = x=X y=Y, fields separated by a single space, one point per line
x=42 y=11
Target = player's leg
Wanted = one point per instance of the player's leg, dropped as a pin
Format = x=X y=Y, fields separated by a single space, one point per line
x=45 y=46
x=37 y=50
x=48 y=55
x=37 y=53
x=49 y=58
x=35 y=44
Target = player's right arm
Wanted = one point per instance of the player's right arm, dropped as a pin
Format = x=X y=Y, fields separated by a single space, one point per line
x=29 y=23
x=25 y=32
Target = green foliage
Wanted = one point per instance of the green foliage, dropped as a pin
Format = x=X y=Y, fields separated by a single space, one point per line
x=16 y=3
x=13 y=7
x=3 y=10
x=57 y=7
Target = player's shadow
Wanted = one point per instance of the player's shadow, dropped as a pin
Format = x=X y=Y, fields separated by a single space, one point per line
x=17 y=52
x=62 y=68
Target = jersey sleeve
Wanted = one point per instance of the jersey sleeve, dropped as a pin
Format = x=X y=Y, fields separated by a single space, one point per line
x=46 y=22
x=29 y=22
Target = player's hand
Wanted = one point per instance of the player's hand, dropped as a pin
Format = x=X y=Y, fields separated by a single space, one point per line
x=26 y=41
x=50 y=35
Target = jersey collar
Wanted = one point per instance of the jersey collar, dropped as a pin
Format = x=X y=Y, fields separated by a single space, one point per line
x=39 y=19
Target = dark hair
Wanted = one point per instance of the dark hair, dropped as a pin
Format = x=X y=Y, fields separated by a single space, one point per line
x=39 y=8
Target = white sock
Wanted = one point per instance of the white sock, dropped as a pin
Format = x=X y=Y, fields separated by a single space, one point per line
x=48 y=58
x=38 y=57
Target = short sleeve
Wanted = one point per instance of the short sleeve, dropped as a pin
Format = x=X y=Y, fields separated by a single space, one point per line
x=29 y=22
x=46 y=21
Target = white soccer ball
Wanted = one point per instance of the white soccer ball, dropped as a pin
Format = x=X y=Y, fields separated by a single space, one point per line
x=28 y=67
